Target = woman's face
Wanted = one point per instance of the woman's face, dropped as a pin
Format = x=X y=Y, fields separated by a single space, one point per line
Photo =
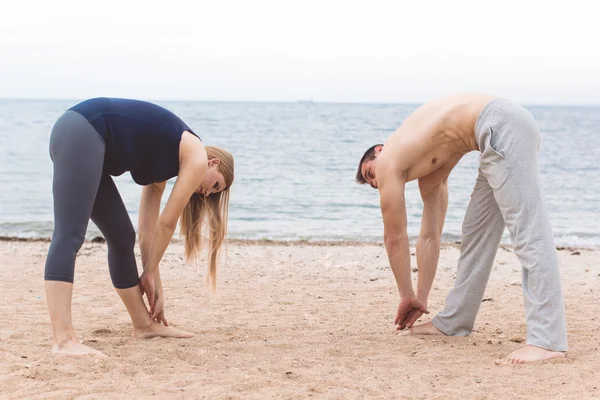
x=214 y=181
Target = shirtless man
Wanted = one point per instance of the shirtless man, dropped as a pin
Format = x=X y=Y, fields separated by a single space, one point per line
x=508 y=193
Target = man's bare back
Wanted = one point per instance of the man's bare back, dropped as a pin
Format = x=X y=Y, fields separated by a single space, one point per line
x=432 y=140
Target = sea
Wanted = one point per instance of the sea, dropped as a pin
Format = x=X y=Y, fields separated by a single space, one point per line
x=295 y=165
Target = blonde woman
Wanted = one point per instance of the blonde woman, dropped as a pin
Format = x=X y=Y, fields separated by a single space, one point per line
x=106 y=136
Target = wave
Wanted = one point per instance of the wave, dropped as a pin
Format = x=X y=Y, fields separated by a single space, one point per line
x=43 y=231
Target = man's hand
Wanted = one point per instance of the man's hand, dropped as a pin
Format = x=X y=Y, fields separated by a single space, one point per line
x=412 y=315
x=147 y=286
x=409 y=309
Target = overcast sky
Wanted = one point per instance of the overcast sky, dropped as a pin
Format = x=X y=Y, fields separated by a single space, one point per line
x=535 y=52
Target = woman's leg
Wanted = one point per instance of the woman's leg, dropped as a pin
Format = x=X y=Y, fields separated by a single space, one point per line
x=143 y=328
x=77 y=151
x=110 y=215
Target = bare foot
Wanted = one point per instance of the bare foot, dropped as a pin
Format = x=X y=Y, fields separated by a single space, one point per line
x=530 y=354
x=74 y=348
x=157 y=329
x=426 y=329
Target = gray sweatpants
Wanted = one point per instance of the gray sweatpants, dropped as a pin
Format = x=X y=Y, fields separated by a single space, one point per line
x=508 y=193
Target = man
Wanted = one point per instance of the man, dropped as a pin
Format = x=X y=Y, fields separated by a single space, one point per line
x=507 y=193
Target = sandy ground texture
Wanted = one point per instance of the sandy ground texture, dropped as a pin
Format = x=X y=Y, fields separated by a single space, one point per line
x=299 y=321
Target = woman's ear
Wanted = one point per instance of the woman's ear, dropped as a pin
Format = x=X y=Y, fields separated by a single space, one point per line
x=213 y=161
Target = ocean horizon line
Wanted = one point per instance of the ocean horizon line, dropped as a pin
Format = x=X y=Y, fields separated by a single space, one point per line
x=298 y=101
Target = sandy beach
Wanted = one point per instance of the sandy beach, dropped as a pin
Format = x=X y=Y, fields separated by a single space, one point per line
x=288 y=321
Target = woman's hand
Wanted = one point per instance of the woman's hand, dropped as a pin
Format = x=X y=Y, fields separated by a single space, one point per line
x=152 y=286
x=158 y=313
x=147 y=286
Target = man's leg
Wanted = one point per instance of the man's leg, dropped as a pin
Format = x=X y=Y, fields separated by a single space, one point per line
x=481 y=233
x=512 y=172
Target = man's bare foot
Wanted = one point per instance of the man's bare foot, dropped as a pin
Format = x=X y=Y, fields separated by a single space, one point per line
x=425 y=329
x=74 y=348
x=530 y=354
x=156 y=329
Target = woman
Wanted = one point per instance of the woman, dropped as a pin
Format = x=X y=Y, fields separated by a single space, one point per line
x=102 y=137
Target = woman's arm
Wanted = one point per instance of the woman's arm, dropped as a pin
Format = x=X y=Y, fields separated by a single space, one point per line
x=149 y=212
x=191 y=174
x=148 y=215
x=192 y=170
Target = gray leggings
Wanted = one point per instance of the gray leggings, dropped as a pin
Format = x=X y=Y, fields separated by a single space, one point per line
x=82 y=191
x=508 y=193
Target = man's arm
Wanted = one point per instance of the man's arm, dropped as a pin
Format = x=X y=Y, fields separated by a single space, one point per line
x=395 y=237
x=435 y=205
x=393 y=209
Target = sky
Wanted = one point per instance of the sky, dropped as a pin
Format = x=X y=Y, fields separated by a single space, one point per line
x=534 y=52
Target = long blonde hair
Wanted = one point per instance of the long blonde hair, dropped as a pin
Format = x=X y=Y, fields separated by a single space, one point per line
x=210 y=213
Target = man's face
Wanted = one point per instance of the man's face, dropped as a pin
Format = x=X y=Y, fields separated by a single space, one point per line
x=369 y=166
x=368 y=172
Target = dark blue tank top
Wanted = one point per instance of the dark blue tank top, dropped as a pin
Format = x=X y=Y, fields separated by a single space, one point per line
x=140 y=137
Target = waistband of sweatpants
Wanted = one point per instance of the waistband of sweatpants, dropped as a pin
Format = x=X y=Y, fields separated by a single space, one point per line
x=483 y=119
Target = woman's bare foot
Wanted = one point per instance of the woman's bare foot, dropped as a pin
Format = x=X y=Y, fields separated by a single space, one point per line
x=74 y=348
x=530 y=354
x=156 y=329
x=425 y=329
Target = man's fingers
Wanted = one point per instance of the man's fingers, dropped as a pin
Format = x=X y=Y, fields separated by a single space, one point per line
x=402 y=323
x=407 y=317
x=405 y=323
x=400 y=319
x=413 y=318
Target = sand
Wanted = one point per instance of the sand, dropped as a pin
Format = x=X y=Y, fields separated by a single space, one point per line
x=298 y=321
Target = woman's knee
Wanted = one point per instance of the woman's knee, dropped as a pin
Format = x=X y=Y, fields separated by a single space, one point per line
x=67 y=242
x=122 y=243
x=60 y=263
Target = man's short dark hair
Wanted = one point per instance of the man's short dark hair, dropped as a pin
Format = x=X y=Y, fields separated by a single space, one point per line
x=369 y=155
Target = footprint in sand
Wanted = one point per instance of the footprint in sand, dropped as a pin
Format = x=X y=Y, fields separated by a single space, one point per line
x=102 y=331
